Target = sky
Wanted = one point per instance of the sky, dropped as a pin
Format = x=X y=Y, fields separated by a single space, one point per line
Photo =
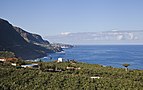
x=51 y=17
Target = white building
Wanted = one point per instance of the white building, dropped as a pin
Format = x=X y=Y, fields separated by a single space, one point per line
x=2 y=59
x=30 y=65
x=13 y=64
x=97 y=77
x=60 y=60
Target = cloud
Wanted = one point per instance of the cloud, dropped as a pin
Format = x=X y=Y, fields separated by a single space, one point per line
x=65 y=33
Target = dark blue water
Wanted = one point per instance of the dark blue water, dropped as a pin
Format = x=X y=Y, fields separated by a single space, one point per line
x=108 y=55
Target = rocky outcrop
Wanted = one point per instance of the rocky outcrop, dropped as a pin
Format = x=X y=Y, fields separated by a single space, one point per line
x=31 y=38
x=61 y=45
x=37 y=40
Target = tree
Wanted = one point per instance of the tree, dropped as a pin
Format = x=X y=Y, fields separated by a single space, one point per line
x=126 y=66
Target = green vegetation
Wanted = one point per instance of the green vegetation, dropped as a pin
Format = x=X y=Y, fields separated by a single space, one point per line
x=6 y=54
x=12 y=78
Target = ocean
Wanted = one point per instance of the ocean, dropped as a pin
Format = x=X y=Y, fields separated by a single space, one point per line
x=107 y=55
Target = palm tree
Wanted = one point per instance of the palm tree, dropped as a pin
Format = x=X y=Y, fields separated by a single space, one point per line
x=126 y=66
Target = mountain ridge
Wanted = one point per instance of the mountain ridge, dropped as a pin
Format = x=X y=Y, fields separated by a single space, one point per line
x=30 y=37
x=11 y=40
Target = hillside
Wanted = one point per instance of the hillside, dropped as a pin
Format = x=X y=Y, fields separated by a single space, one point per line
x=11 y=40
x=31 y=38
x=109 y=78
x=37 y=40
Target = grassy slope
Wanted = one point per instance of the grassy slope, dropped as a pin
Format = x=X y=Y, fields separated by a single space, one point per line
x=32 y=79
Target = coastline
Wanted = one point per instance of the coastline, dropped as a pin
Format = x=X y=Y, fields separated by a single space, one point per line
x=107 y=55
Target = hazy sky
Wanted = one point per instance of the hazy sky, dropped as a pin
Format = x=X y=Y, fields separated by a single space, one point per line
x=50 y=17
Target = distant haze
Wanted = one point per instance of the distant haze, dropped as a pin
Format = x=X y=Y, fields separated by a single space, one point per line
x=92 y=38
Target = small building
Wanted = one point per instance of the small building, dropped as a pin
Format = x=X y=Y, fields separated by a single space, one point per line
x=11 y=59
x=73 y=68
x=8 y=59
x=30 y=66
x=70 y=68
x=96 y=77
x=77 y=68
x=13 y=64
x=60 y=60
x=2 y=59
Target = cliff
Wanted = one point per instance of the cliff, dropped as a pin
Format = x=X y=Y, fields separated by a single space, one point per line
x=37 y=40
x=31 y=38
x=11 y=40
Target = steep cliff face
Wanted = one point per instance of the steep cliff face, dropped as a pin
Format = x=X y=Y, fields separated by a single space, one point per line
x=37 y=40
x=8 y=36
x=11 y=40
x=31 y=38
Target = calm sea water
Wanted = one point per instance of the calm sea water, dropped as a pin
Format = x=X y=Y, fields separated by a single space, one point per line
x=108 y=55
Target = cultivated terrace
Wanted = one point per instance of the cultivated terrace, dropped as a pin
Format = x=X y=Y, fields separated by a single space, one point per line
x=68 y=76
